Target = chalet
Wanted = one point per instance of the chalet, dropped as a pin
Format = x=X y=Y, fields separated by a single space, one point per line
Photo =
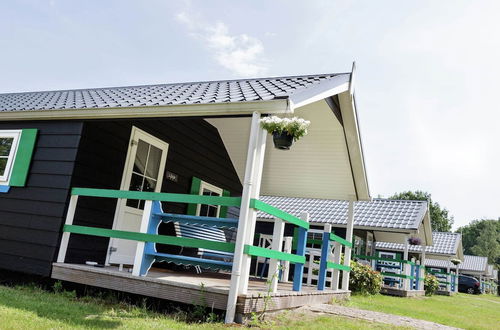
x=98 y=186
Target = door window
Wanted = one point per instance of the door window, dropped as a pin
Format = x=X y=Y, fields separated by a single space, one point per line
x=145 y=171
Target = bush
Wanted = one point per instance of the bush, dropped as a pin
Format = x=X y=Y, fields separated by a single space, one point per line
x=431 y=284
x=364 y=280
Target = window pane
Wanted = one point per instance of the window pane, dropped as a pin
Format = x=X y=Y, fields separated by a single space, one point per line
x=141 y=157
x=149 y=184
x=154 y=160
x=5 y=146
x=212 y=211
x=203 y=210
x=3 y=165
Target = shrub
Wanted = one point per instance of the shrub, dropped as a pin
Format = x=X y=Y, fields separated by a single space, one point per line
x=431 y=284
x=364 y=280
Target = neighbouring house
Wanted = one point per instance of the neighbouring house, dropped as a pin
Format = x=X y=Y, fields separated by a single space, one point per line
x=377 y=220
x=446 y=246
x=133 y=177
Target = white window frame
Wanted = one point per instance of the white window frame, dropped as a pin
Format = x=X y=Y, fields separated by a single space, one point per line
x=16 y=135
x=212 y=188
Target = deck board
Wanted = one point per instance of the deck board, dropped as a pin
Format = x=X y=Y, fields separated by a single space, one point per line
x=186 y=287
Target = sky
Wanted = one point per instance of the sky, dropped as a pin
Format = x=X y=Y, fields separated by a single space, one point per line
x=426 y=80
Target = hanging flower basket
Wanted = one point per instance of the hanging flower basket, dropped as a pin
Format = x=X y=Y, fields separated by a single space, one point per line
x=285 y=130
x=455 y=261
x=414 y=241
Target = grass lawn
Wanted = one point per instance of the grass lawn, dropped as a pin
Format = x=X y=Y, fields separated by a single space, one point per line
x=462 y=310
x=33 y=308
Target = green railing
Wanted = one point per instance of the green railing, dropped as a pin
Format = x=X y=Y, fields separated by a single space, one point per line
x=251 y=250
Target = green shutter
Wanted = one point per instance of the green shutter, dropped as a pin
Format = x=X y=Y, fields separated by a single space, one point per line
x=223 y=209
x=23 y=158
x=195 y=190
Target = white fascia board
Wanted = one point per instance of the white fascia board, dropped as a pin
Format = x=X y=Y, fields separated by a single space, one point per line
x=353 y=141
x=183 y=110
x=323 y=90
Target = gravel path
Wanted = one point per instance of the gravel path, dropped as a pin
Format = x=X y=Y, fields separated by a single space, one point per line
x=374 y=316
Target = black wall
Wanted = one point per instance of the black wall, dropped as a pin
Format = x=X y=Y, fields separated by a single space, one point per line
x=195 y=149
x=31 y=216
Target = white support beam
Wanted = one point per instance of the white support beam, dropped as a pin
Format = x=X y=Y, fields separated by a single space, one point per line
x=273 y=273
x=238 y=274
x=347 y=249
x=63 y=247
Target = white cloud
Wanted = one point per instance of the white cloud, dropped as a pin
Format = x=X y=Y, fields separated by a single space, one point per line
x=241 y=54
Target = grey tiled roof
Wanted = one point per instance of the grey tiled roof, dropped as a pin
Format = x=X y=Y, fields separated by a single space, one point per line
x=226 y=91
x=474 y=263
x=443 y=243
x=471 y=263
x=379 y=213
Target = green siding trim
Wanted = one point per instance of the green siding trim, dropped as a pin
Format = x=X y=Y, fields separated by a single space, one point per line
x=162 y=197
x=259 y=205
x=384 y=259
x=398 y=275
x=162 y=239
x=24 y=154
x=223 y=209
x=339 y=239
x=195 y=190
x=337 y=266
x=267 y=253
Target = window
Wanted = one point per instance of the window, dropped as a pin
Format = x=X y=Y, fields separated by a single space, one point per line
x=206 y=210
x=9 y=141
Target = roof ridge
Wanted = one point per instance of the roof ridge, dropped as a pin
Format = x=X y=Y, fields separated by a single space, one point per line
x=178 y=83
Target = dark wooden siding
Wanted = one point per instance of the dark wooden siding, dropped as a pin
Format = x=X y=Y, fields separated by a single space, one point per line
x=31 y=216
x=195 y=149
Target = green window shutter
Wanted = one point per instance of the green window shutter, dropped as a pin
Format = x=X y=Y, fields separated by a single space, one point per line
x=23 y=158
x=223 y=209
x=195 y=190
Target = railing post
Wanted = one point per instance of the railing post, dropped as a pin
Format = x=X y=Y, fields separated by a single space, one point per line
x=273 y=272
x=301 y=251
x=417 y=275
x=337 y=253
x=448 y=280
x=139 y=251
x=347 y=249
x=325 y=253
x=63 y=247
x=241 y=262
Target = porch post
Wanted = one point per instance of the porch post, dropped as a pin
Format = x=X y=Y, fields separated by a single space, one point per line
x=448 y=279
x=456 y=277
x=406 y=281
x=247 y=215
x=277 y=243
x=347 y=249
x=63 y=247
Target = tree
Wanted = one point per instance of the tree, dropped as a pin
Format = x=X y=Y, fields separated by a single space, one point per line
x=482 y=238
x=441 y=220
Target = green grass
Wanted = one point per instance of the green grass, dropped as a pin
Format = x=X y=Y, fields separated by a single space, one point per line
x=29 y=307
x=462 y=310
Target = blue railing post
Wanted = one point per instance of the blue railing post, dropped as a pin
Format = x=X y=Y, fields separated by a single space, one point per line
x=325 y=251
x=301 y=251
x=417 y=276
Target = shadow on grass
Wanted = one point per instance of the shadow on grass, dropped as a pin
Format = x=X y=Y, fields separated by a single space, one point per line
x=57 y=307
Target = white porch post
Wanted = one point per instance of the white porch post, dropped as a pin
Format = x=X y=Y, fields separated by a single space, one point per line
x=273 y=273
x=456 y=277
x=253 y=172
x=448 y=279
x=406 y=270
x=63 y=247
x=347 y=249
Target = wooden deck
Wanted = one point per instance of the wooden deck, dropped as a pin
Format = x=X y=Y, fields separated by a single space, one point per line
x=192 y=288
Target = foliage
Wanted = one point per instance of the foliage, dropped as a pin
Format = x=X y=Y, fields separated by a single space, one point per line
x=364 y=280
x=441 y=220
x=455 y=261
x=482 y=238
x=296 y=127
x=414 y=241
x=431 y=284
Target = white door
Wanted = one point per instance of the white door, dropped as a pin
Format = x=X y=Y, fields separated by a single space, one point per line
x=144 y=168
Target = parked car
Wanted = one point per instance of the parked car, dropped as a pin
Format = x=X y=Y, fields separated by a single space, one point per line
x=468 y=284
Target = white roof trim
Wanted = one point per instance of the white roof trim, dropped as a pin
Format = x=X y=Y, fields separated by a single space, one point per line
x=183 y=110
x=334 y=86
